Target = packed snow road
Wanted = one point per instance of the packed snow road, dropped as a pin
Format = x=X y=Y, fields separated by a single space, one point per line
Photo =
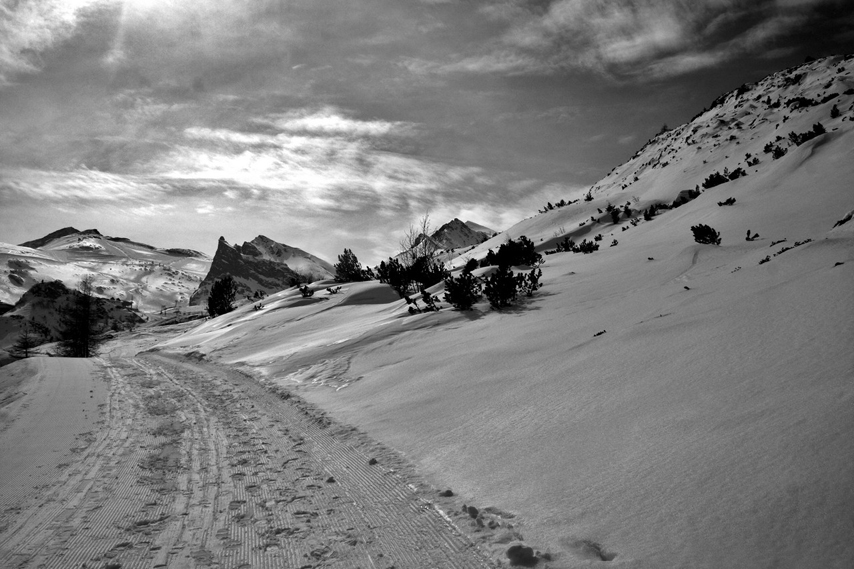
x=198 y=466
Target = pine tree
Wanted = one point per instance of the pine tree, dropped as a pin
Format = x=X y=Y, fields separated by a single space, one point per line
x=80 y=332
x=348 y=269
x=27 y=340
x=500 y=287
x=463 y=291
x=221 y=298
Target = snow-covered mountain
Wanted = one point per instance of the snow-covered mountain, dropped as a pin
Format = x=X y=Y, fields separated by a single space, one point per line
x=661 y=402
x=149 y=277
x=297 y=260
x=261 y=265
x=456 y=234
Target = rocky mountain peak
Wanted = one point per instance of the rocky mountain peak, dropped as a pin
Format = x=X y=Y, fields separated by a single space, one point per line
x=261 y=265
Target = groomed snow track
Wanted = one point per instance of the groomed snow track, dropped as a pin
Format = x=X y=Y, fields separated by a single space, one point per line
x=200 y=466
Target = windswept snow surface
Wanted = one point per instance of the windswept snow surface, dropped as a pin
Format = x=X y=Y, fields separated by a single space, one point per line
x=709 y=426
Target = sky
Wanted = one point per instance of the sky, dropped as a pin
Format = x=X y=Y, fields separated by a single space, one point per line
x=327 y=125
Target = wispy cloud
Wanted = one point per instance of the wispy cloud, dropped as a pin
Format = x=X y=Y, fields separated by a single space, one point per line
x=630 y=38
x=330 y=121
x=77 y=186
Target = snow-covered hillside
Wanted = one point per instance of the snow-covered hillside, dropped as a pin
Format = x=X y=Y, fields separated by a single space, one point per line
x=151 y=278
x=659 y=403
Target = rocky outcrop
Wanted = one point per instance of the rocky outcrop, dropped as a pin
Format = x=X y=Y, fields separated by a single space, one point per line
x=261 y=265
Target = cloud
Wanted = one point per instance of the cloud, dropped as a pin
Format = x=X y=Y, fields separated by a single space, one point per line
x=205 y=208
x=77 y=186
x=330 y=121
x=641 y=39
x=504 y=62
x=305 y=162
x=29 y=27
x=151 y=210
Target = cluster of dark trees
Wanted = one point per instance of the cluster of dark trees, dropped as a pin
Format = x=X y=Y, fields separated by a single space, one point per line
x=503 y=287
x=716 y=178
x=404 y=277
x=562 y=203
x=418 y=268
x=705 y=234
x=513 y=253
x=798 y=138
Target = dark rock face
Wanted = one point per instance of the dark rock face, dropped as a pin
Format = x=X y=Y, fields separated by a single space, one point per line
x=250 y=270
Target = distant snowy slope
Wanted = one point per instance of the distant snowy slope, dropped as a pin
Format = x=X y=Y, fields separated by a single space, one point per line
x=149 y=277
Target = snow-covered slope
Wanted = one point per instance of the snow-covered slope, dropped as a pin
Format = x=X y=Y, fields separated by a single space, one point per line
x=659 y=403
x=298 y=260
x=481 y=228
x=149 y=277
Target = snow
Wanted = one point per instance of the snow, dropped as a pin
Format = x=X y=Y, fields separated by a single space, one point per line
x=49 y=406
x=709 y=426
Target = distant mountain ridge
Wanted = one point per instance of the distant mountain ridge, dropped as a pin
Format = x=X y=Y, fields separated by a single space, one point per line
x=151 y=278
x=261 y=265
x=58 y=234
x=68 y=231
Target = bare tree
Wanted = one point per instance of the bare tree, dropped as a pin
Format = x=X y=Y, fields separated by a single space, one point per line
x=416 y=242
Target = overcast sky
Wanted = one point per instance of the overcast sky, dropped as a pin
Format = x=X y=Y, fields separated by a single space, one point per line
x=327 y=124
